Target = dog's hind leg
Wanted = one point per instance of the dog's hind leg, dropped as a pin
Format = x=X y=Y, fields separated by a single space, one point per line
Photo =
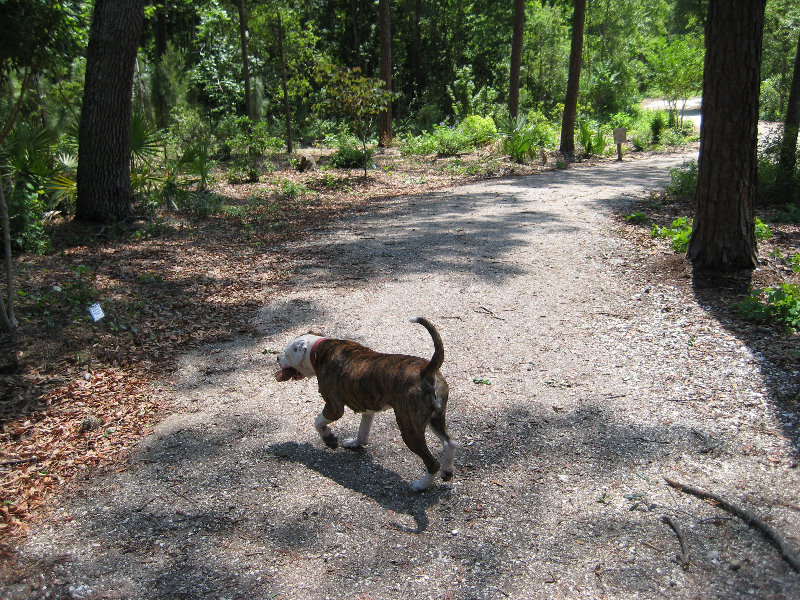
x=438 y=427
x=414 y=436
x=363 y=432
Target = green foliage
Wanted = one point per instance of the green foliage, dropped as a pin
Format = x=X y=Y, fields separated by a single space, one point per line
x=683 y=181
x=472 y=132
x=790 y=213
x=527 y=135
x=679 y=233
x=350 y=153
x=637 y=218
x=594 y=143
x=349 y=94
x=762 y=230
x=478 y=130
x=780 y=304
x=676 y=63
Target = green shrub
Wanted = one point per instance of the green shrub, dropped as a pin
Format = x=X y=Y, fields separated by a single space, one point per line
x=657 y=125
x=350 y=157
x=593 y=143
x=479 y=131
x=762 y=230
x=679 y=232
x=451 y=141
x=421 y=144
x=683 y=181
x=527 y=134
x=637 y=218
x=780 y=304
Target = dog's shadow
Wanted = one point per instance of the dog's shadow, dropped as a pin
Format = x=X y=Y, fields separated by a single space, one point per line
x=356 y=471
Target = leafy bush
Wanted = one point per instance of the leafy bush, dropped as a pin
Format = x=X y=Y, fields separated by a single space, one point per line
x=683 y=181
x=421 y=144
x=451 y=141
x=762 y=230
x=637 y=218
x=350 y=157
x=679 y=232
x=781 y=304
x=527 y=134
x=657 y=125
x=479 y=131
x=593 y=143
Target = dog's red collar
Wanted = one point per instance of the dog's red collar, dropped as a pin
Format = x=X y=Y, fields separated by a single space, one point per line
x=313 y=354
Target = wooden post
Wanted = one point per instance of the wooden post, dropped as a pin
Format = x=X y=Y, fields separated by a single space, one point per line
x=620 y=137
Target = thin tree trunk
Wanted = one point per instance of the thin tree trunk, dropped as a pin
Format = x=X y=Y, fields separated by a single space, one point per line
x=287 y=111
x=788 y=156
x=248 y=96
x=12 y=117
x=573 y=79
x=723 y=236
x=104 y=156
x=385 y=29
x=7 y=320
x=516 y=57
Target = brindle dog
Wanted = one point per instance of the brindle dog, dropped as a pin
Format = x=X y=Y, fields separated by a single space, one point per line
x=350 y=374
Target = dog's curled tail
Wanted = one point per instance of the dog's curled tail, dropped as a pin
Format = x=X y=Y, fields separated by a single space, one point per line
x=438 y=349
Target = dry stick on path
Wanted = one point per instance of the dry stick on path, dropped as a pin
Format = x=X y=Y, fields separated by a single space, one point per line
x=769 y=532
x=683 y=557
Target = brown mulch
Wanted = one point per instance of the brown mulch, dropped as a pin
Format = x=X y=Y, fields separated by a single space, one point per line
x=76 y=395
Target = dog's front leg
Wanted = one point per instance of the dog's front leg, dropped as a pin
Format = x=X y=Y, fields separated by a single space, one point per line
x=363 y=432
x=331 y=412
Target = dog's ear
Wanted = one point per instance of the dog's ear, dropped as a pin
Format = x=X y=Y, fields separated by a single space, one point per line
x=316 y=334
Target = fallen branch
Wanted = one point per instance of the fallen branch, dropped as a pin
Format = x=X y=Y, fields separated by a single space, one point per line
x=769 y=532
x=683 y=557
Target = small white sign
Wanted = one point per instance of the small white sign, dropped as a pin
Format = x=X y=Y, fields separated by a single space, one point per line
x=620 y=135
x=96 y=311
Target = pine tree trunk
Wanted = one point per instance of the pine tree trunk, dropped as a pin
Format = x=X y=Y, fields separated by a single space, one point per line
x=516 y=57
x=723 y=235
x=7 y=320
x=788 y=154
x=385 y=29
x=104 y=182
x=573 y=79
x=248 y=96
x=287 y=111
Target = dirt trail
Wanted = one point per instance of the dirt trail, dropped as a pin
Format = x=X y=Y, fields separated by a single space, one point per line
x=579 y=381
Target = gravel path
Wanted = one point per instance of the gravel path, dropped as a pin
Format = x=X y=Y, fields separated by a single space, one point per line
x=579 y=381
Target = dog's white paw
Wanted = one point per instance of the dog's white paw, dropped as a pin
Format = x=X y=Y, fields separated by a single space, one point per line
x=353 y=444
x=423 y=484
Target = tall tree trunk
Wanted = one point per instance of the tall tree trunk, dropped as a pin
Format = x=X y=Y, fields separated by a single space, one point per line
x=573 y=79
x=160 y=80
x=788 y=156
x=248 y=96
x=516 y=57
x=287 y=111
x=723 y=235
x=7 y=320
x=385 y=32
x=104 y=167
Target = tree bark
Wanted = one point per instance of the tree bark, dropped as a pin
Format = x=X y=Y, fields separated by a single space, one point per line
x=573 y=79
x=787 y=162
x=7 y=320
x=723 y=236
x=385 y=32
x=248 y=96
x=103 y=179
x=287 y=111
x=516 y=57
